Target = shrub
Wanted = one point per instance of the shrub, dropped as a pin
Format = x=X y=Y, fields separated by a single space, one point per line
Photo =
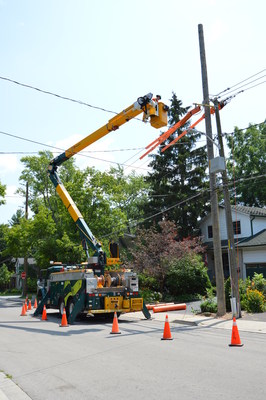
x=259 y=283
x=209 y=305
x=187 y=275
x=242 y=286
x=227 y=291
x=254 y=301
x=32 y=285
x=150 y=296
x=5 y=276
x=148 y=282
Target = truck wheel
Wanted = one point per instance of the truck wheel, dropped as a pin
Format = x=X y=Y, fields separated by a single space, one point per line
x=61 y=307
x=70 y=306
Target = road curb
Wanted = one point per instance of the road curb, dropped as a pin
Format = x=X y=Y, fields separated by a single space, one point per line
x=10 y=391
x=184 y=322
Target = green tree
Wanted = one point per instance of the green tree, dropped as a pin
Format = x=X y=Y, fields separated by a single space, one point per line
x=247 y=157
x=35 y=173
x=33 y=238
x=2 y=193
x=68 y=251
x=5 y=276
x=16 y=218
x=4 y=258
x=178 y=174
x=105 y=199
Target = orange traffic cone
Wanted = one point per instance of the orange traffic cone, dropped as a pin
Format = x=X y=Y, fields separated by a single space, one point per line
x=23 y=311
x=35 y=303
x=115 y=328
x=29 y=307
x=166 y=332
x=26 y=307
x=64 y=319
x=44 y=315
x=235 y=340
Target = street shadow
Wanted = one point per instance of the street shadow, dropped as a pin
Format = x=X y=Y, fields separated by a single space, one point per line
x=153 y=330
x=65 y=331
x=11 y=303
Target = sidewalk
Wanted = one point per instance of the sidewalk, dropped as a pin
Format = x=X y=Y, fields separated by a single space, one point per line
x=245 y=324
x=9 y=390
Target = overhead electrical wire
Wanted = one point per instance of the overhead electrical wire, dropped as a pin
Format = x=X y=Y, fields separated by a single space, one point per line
x=109 y=111
x=84 y=151
x=246 y=84
x=239 y=83
x=134 y=223
x=83 y=103
x=58 y=148
x=116 y=163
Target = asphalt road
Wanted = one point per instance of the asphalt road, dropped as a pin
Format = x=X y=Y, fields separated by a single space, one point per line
x=84 y=361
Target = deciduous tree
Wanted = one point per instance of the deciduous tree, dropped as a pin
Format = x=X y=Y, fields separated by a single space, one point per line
x=2 y=193
x=247 y=158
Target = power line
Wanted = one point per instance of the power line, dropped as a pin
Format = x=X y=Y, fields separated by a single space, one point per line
x=246 y=84
x=56 y=95
x=83 y=152
x=58 y=148
x=239 y=83
x=84 y=155
x=243 y=129
x=134 y=223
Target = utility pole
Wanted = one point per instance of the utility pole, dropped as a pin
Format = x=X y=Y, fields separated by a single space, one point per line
x=25 y=286
x=213 y=196
x=229 y=223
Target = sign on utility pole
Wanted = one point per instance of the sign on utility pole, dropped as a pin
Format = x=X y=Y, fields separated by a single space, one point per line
x=218 y=262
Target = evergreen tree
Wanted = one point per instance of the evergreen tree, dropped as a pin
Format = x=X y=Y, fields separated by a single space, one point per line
x=178 y=174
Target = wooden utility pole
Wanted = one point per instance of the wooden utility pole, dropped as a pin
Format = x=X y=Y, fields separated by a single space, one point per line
x=229 y=222
x=213 y=197
x=25 y=286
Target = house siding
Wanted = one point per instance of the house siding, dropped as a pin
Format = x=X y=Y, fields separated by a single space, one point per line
x=245 y=225
x=258 y=224
x=250 y=225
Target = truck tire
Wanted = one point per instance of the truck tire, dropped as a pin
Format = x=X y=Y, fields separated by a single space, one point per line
x=61 y=306
x=70 y=306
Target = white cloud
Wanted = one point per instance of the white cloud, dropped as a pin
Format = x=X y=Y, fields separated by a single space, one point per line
x=13 y=203
x=8 y=163
x=12 y=197
x=217 y=29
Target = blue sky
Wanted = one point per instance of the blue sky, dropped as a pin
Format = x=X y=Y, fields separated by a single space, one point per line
x=109 y=52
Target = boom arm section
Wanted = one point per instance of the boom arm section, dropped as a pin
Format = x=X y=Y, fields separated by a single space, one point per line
x=153 y=111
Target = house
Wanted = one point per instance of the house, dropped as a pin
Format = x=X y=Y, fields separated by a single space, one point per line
x=249 y=225
x=19 y=268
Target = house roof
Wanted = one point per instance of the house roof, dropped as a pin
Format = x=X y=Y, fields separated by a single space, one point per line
x=253 y=211
x=259 y=239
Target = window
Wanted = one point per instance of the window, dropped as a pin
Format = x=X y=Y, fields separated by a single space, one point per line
x=236 y=227
x=210 y=232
